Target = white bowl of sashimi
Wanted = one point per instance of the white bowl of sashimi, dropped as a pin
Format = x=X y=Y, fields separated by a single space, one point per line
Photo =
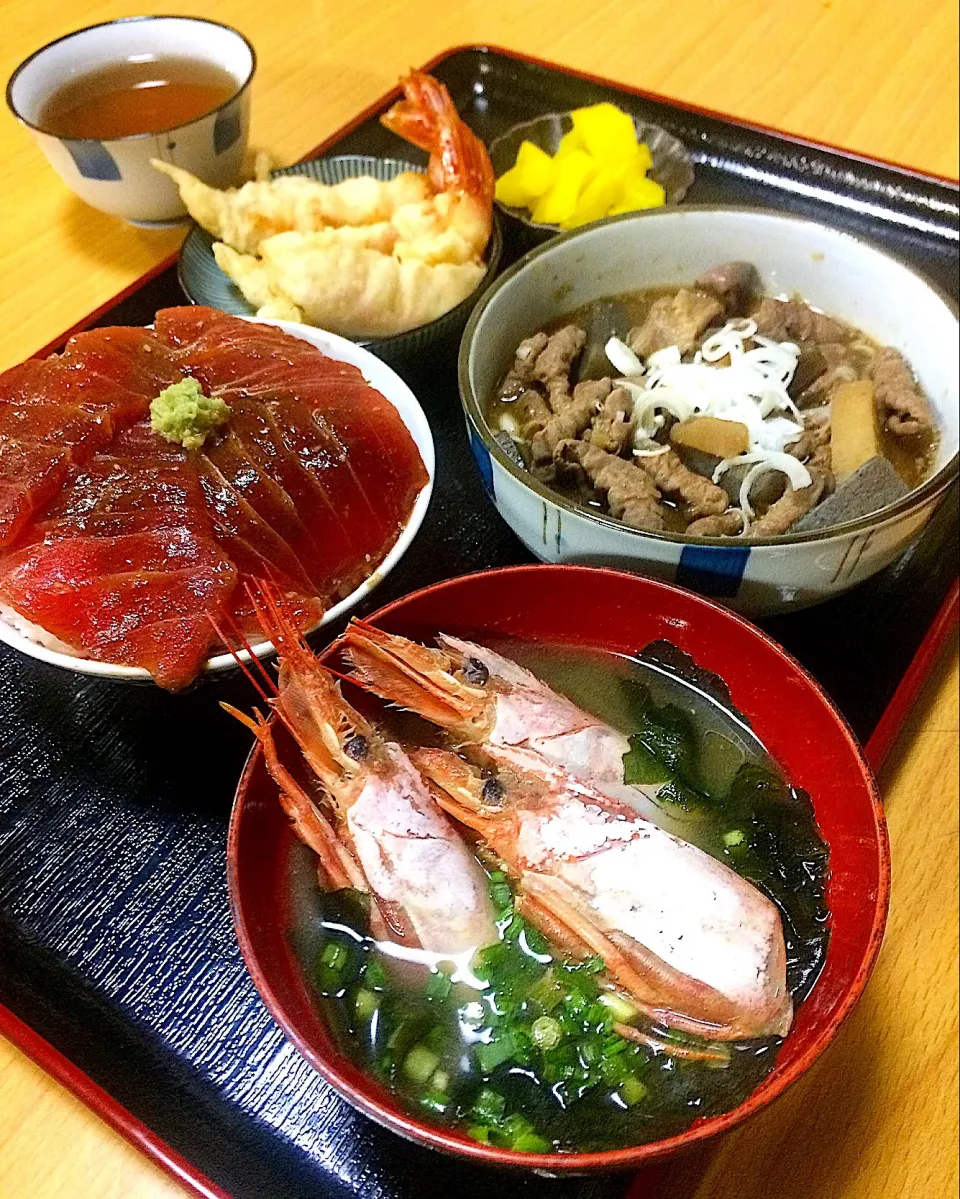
x=316 y=480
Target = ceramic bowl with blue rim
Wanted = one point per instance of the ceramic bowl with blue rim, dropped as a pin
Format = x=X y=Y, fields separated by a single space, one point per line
x=833 y=271
x=203 y=282
x=115 y=175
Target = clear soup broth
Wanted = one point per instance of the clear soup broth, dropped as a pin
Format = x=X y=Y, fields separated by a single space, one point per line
x=129 y=98
x=531 y=1062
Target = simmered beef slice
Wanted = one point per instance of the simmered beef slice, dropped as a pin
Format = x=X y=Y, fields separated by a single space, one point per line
x=125 y=566
x=571 y=421
x=675 y=320
x=786 y=511
x=793 y=320
x=905 y=408
x=631 y=495
x=813 y=444
x=702 y=497
x=520 y=375
x=733 y=283
x=612 y=427
x=531 y=412
x=725 y=524
x=555 y=361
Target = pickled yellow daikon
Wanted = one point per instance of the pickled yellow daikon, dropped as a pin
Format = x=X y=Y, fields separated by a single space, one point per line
x=599 y=169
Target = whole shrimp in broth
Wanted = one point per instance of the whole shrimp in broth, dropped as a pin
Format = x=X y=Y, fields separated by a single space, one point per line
x=696 y=947
x=378 y=831
x=364 y=257
x=487 y=700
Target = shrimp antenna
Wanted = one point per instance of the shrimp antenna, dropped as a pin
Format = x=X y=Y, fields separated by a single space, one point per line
x=258 y=687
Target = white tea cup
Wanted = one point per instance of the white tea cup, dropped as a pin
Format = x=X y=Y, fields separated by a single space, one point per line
x=115 y=174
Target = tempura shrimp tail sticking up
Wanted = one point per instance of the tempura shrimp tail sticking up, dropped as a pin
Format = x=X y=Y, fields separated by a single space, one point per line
x=375 y=827
x=459 y=162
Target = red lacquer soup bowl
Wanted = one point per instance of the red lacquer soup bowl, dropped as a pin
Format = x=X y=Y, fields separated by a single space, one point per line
x=619 y=613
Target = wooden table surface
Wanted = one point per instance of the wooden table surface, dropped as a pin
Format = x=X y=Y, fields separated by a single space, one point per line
x=877 y=1117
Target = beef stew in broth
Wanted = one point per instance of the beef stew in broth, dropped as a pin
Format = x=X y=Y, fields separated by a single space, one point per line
x=716 y=411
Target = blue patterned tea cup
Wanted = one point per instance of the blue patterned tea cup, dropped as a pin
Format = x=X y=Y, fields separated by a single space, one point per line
x=115 y=175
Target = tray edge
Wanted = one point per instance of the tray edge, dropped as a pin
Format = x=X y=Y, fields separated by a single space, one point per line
x=102 y=1104
x=71 y=1077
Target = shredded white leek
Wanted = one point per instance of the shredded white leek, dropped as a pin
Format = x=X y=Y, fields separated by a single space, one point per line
x=761 y=463
x=750 y=389
x=622 y=358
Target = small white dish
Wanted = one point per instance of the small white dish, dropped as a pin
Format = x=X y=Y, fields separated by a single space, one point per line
x=115 y=174
x=393 y=388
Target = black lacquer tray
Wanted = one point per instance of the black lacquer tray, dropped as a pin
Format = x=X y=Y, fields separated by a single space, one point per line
x=118 y=966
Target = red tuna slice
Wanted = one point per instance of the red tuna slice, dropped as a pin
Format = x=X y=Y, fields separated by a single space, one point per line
x=312 y=466
x=382 y=455
x=142 y=483
x=30 y=477
x=273 y=505
x=54 y=415
x=302 y=612
x=54 y=425
x=353 y=500
x=138 y=600
x=134 y=358
x=179 y=327
x=257 y=550
x=221 y=350
x=379 y=445
x=41 y=382
x=128 y=566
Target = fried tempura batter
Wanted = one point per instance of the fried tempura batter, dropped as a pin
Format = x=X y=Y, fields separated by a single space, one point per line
x=364 y=257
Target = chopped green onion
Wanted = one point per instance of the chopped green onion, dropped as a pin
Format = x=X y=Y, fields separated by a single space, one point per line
x=374 y=975
x=501 y=894
x=365 y=1003
x=591 y=1051
x=435 y=1101
x=734 y=837
x=632 y=1090
x=489 y=1106
x=478 y=1133
x=333 y=966
x=620 y=1008
x=519 y=1134
x=593 y=965
x=514 y=928
x=420 y=1063
x=546 y=1032
x=335 y=956
x=546 y=991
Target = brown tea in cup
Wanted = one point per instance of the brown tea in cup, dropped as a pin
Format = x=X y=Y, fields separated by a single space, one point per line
x=123 y=99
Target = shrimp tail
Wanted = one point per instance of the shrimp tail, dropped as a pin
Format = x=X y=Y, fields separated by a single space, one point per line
x=427 y=117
